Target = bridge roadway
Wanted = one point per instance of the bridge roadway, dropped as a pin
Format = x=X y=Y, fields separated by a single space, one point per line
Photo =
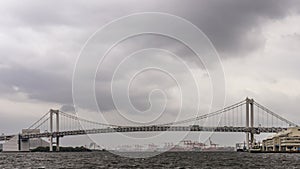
x=195 y=128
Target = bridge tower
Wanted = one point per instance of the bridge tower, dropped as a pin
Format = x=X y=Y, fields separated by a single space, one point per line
x=249 y=122
x=52 y=113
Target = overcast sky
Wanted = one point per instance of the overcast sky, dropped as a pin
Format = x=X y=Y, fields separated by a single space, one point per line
x=257 y=41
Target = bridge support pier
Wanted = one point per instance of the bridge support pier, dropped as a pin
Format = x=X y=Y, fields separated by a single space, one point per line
x=54 y=112
x=249 y=122
x=51 y=131
x=57 y=130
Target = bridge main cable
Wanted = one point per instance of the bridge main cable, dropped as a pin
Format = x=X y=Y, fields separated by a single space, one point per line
x=164 y=124
x=274 y=114
x=88 y=121
x=208 y=114
x=39 y=121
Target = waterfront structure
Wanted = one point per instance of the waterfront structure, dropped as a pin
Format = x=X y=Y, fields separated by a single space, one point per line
x=16 y=144
x=287 y=140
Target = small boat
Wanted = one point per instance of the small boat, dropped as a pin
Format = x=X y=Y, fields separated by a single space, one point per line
x=255 y=150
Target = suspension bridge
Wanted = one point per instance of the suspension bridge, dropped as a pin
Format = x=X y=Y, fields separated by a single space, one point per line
x=246 y=116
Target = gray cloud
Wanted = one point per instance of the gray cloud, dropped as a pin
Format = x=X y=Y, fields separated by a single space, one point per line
x=233 y=26
x=67 y=108
x=38 y=84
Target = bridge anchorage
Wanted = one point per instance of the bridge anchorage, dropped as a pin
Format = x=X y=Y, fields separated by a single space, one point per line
x=246 y=116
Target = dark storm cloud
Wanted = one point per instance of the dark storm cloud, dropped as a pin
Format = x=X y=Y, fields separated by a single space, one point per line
x=38 y=84
x=139 y=92
x=233 y=26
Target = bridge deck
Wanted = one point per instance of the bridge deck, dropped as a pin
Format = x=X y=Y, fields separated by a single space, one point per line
x=255 y=130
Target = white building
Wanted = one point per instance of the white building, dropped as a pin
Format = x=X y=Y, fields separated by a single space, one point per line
x=16 y=144
x=287 y=140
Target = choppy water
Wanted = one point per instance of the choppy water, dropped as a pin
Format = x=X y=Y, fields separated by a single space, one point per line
x=165 y=160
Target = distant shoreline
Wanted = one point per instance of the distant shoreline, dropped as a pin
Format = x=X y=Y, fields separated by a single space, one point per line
x=62 y=149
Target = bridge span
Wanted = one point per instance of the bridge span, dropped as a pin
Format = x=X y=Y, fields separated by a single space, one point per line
x=246 y=116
